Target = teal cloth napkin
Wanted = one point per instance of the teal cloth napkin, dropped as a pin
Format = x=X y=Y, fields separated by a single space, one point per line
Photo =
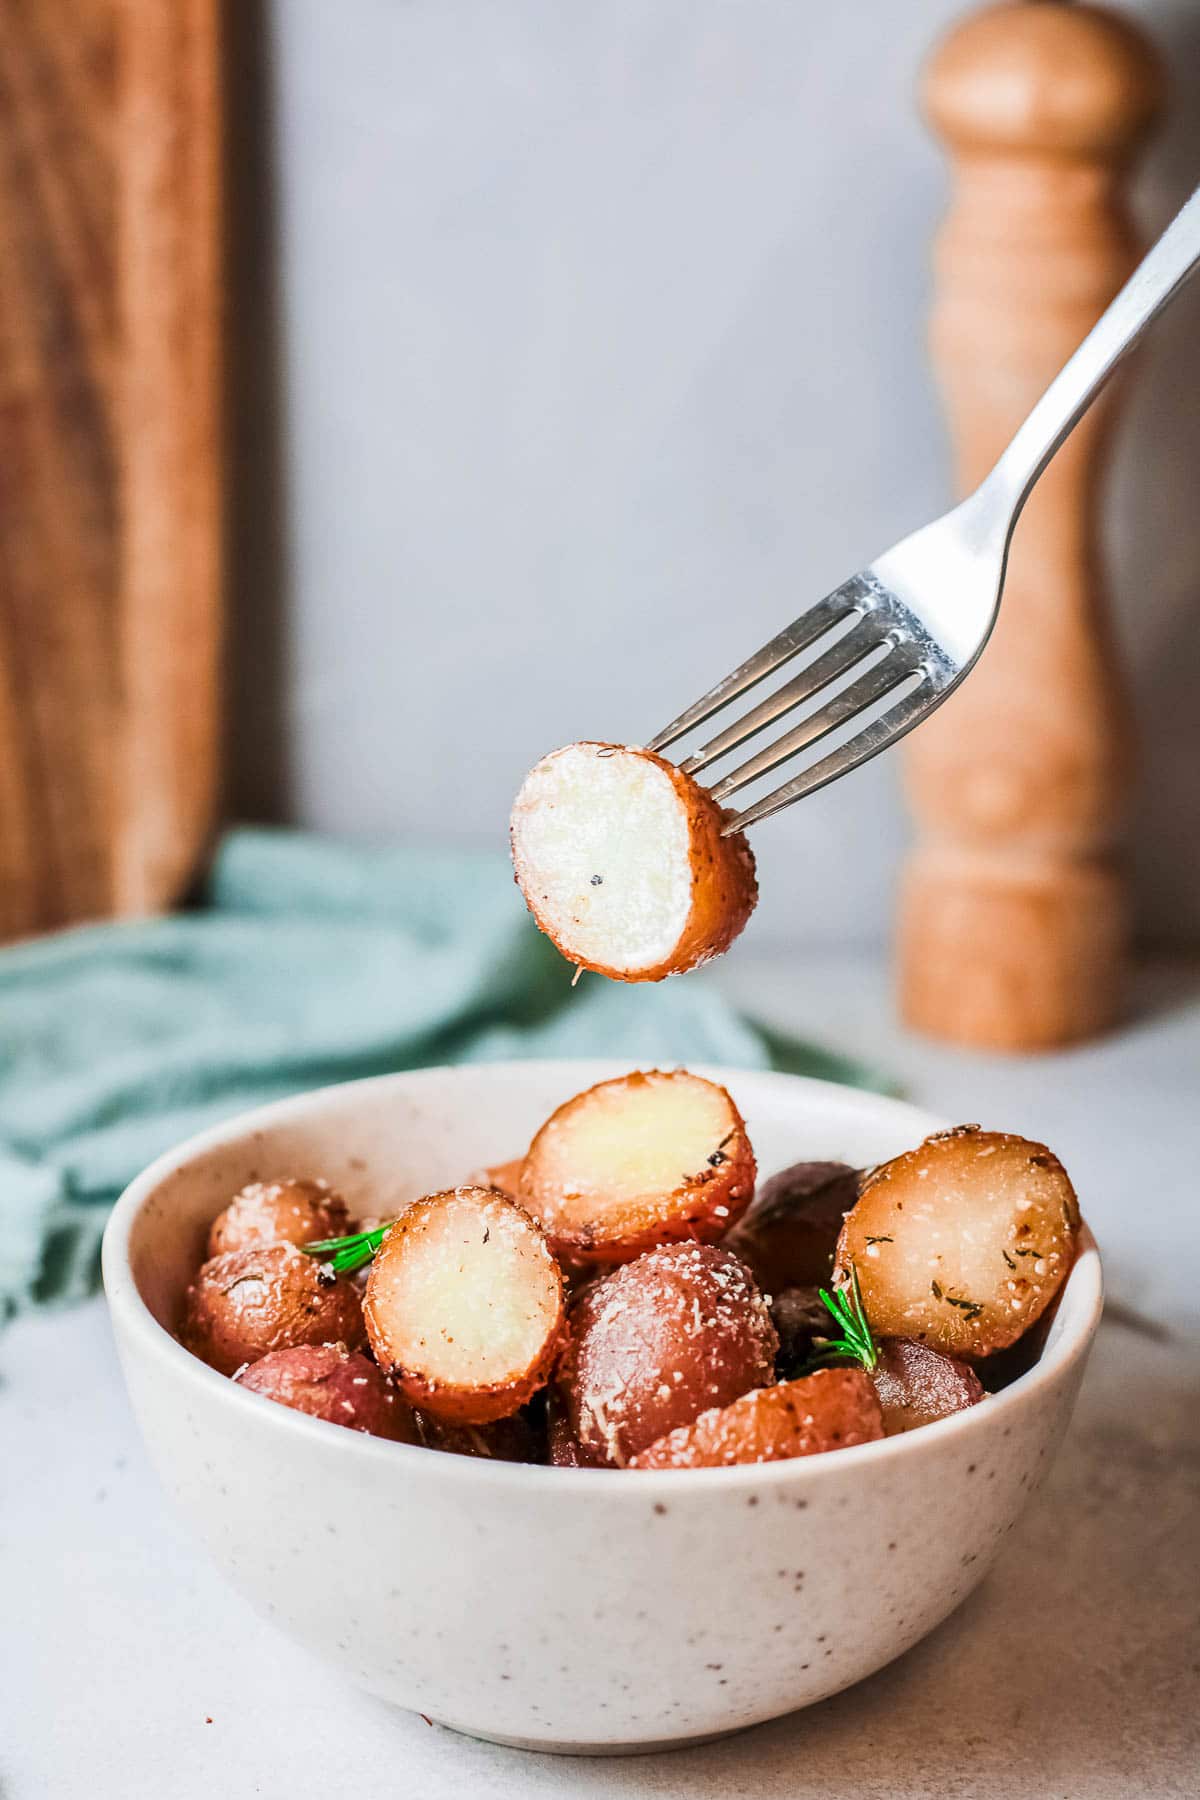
x=308 y=962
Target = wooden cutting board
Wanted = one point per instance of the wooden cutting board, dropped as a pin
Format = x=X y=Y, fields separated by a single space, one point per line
x=110 y=454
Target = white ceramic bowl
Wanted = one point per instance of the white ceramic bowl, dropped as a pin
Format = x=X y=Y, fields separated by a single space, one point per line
x=557 y=1608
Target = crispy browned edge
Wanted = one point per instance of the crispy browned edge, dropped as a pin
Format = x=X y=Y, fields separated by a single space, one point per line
x=448 y=1401
x=679 y=1221
x=724 y=885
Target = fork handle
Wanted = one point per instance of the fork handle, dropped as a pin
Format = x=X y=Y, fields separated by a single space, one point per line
x=1156 y=280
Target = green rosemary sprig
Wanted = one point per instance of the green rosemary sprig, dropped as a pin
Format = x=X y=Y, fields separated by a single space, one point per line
x=345 y=1254
x=855 y=1343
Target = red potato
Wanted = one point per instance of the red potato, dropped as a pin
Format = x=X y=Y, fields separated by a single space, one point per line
x=464 y=1305
x=963 y=1242
x=799 y=1316
x=827 y=1411
x=621 y=861
x=789 y=1235
x=327 y=1381
x=658 y=1340
x=273 y=1212
x=268 y=1297
x=642 y=1160
x=917 y=1385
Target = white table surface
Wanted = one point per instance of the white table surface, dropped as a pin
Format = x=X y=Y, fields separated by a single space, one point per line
x=127 y=1669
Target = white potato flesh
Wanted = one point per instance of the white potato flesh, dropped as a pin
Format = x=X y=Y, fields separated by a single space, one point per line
x=602 y=842
x=637 y=1161
x=963 y=1242
x=464 y=1304
x=633 y=1140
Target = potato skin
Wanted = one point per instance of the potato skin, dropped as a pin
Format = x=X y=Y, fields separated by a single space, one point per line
x=917 y=1384
x=329 y=1382
x=999 y=1204
x=457 y=1404
x=658 y=1340
x=724 y=884
x=275 y=1212
x=830 y=1410
x=700 y=1210
x=789 y=1235
x=247 y=1303
x=799 y=1315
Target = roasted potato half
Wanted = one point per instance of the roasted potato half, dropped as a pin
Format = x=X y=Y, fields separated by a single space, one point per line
x=275 y=1212
x=963 y=1242
x=327 y=1381
x=268 y=1297
x=917 y=1384
x=638 y=1161
x=464 y=1305
x=827 y=1411
x=622 y=863
x=658 y=1340
x=790 y=1233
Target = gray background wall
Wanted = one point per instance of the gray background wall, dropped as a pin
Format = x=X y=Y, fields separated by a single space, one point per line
x=578 y=347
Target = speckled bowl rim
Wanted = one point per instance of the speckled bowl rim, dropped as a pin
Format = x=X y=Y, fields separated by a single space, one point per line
x=1077 y=1318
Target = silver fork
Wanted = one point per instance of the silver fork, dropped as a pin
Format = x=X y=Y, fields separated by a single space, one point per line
x=917 y=617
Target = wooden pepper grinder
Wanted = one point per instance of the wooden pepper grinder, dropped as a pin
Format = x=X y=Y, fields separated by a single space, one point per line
x=1014 y=909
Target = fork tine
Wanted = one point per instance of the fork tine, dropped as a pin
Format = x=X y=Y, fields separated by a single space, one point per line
x=894 y=724
x=849 y=650
x=901 y=662
x=852 y=596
